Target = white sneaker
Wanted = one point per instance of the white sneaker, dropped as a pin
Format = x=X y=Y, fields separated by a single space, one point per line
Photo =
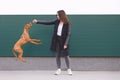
x=69 y=71
x=58 y=72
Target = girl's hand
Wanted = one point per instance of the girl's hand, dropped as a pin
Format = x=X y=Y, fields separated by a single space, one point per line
x=34 y=21
x=65 y=46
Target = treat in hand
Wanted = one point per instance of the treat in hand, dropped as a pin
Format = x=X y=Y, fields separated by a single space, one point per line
x=34 y=21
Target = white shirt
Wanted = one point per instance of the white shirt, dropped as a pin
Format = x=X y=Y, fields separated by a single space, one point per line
x=59 y=31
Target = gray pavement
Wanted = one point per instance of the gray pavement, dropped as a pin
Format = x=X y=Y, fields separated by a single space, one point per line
x=49 y=75
x=49 y=63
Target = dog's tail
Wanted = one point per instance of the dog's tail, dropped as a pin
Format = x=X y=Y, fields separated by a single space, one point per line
x=14 y=53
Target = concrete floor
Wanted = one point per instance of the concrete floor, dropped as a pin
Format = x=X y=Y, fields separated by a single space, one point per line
x=49 y=63
x=49 y=75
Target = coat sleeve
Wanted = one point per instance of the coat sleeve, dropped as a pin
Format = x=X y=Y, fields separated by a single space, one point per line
x=45 y=22
x=68 y=36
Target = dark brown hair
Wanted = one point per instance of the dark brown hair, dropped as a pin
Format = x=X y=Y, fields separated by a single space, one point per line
x=63 y=17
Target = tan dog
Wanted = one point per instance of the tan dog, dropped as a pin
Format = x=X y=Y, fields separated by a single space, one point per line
x=25 y=38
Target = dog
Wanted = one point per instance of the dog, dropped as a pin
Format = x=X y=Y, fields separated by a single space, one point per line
x=25 y=38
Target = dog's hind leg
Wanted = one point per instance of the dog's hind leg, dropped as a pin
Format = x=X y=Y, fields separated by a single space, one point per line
x=20 y=56
x=14 y=53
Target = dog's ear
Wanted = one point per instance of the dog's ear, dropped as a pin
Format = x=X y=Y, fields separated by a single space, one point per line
x=26 y=26
x=29 y=24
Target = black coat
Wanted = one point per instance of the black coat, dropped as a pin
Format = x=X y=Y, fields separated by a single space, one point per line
x=65 y=33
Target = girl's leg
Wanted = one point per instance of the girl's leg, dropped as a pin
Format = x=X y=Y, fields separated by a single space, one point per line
x=67 y=61
x=58 y=60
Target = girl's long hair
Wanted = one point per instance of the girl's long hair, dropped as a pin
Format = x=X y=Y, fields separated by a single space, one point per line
x=63 y=17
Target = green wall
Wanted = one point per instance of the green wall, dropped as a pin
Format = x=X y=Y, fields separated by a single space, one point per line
x=91 y=35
